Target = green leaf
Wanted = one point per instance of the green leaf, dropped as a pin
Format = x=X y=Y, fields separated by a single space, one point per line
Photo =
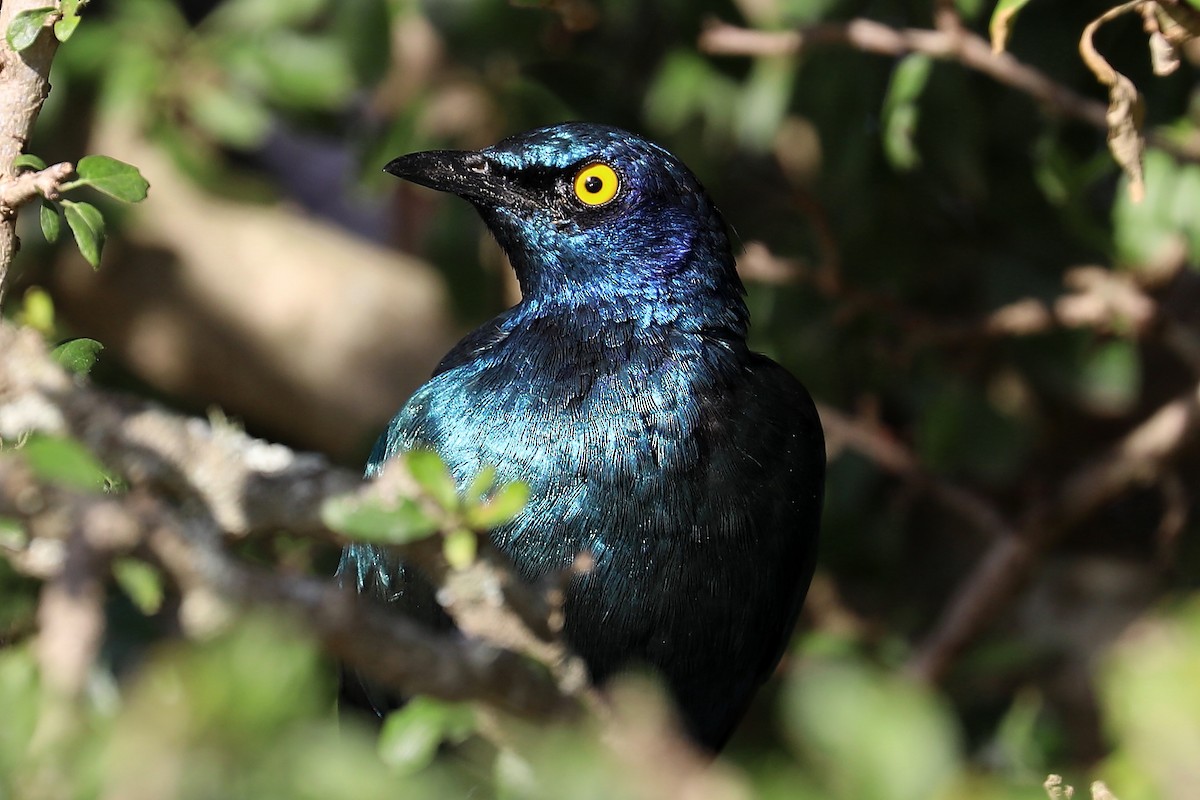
x=763 y=101
x=902 y=112
x=25 y=27
x=141 y=582
x=1110 y=377
x=363 y=31
x=431 y=473
x=371 y=521
x=64 y=461
x=481 y=484
x=1151 y=704
x=69 y=21
x=1003 y=19
x=259 y=15
x=51 y=221
x=114 y=178
x=411 y=736
x=21 y=698
x=305 y=72
x=12 y=534
x=235 y=118
x=870 y=734
x=504 y=504
x=37 y=311
x=87 y=224
x=28 y=160
x=460 y=548
x=78 y=355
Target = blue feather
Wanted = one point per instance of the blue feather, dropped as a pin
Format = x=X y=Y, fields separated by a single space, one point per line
x=622 y=391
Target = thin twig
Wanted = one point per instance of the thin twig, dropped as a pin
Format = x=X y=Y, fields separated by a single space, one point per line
x=1140 y=457
x=25 y=187
x=961 y=45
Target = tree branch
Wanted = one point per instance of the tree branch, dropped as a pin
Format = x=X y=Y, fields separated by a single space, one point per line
x=192 y=484
x=1140 y=457
x=24 y=84
x=957 y=44
x=28 y=185
x=948 y=43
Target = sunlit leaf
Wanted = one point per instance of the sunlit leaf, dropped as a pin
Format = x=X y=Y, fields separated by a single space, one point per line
x=434 y=477
x=234 y=118
x=411 y=736
x=114 y=178
x=64 y=461
x=78 y=355
x=460 y=548
x=369 y=521
x=141 y=582
x=26 y=25
x=870 y=734
x=20 y=698
x=66 y=25
x=87 y=224
x=305 y=71
x=901 y=110
x=481 y=484
x=37 y=311
x=503 y=505
x=1152 y=705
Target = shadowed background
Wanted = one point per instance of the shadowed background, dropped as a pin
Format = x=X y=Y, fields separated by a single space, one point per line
x=949 y=263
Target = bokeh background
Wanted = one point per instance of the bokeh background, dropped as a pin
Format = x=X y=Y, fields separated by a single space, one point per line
x=950 y=263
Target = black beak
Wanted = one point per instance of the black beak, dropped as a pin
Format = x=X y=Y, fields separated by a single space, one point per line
x=468 y=174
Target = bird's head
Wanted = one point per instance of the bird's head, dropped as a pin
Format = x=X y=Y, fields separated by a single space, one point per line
x=593 y=214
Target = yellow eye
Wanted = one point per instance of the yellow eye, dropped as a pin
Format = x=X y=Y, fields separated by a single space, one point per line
x=596 y=184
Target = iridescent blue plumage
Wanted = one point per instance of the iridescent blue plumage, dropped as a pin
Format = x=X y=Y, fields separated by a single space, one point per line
x=621 y=390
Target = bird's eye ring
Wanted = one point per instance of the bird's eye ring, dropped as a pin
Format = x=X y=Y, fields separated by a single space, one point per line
x=596 y=184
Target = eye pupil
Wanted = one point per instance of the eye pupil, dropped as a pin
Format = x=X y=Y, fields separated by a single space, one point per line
x=596 y=184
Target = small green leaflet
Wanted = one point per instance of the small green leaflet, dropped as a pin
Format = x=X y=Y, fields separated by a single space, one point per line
x=504 y=504
x=64 y=461
x=114 y=178
x=372 y=521
x=411 y=736
x=460 y=547
x=428 y=470
x=29 y=161
x=78 y=355
x=69 y=21
x=141 y=582
x=51 y=221
x=87 y=223
x=25 y=27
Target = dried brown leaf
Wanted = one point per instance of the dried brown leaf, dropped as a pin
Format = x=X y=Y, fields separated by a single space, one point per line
x=1125 y=109
x=1125 y=141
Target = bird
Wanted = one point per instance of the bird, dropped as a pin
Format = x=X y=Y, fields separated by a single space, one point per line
x=621 y=390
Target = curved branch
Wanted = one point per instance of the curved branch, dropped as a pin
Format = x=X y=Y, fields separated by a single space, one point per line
x=24 y=84
x=1140 y=457
x=192 y=483
x=968 y=49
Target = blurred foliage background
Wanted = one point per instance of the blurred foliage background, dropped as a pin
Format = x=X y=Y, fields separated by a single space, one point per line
x=951 y=266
